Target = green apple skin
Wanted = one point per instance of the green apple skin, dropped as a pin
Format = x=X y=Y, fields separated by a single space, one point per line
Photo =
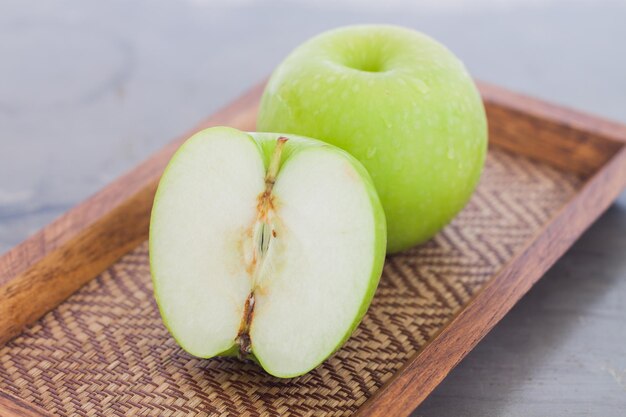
x=267 y=143
x=402 y=104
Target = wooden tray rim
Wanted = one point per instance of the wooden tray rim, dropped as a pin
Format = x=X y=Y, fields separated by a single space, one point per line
x=68 y=247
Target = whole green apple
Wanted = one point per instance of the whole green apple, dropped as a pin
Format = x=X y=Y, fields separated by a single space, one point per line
x=265 y=246
x=402 y=104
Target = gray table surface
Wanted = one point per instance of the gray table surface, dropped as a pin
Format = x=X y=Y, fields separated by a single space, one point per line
x=90 y=88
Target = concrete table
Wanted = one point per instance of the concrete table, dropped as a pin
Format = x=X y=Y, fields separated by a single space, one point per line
x=88 y=89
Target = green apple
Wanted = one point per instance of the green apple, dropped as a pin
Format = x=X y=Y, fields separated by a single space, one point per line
x=398 y=101
x=265 y=246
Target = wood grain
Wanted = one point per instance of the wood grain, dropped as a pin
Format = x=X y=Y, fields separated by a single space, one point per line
x=11 y=406
x=421 y=374
x=564 y=138
x=43 y=271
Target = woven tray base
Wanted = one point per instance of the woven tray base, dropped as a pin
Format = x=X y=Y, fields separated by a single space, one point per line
x=105 y=352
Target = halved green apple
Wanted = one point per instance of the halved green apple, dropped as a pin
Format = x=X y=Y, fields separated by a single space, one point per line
x=265 y=246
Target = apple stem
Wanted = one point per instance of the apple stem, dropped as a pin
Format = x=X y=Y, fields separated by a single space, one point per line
x=272 y=170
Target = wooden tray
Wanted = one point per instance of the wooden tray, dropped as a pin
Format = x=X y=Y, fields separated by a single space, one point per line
x=100 y=348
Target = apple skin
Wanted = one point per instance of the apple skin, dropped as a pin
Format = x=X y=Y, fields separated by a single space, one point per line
x=266 y=143
x=398 y=101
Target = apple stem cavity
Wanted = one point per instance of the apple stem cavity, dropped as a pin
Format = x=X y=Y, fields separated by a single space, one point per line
x=264 y=233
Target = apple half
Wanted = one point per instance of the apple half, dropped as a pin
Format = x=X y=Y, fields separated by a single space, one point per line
x=265 y=246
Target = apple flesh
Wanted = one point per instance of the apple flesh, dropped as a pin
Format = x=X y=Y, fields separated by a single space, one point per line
x=398 y=101
x=265 y=246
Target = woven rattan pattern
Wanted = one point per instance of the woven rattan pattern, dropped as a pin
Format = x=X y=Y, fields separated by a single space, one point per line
x=106 y=352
